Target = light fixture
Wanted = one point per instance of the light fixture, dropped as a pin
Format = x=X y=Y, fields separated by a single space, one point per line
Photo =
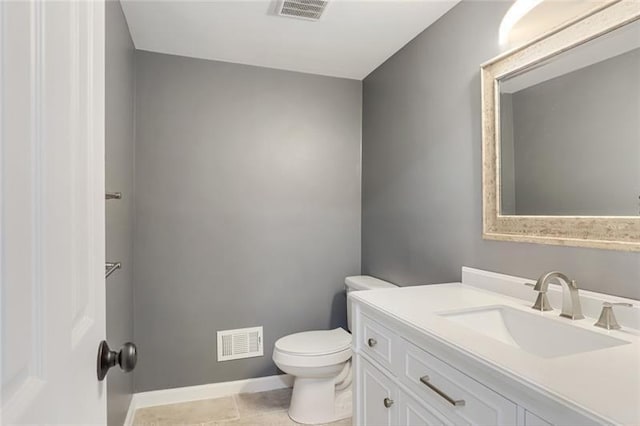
x=517 y=10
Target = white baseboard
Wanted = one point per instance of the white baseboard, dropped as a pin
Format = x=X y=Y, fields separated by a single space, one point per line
x=213 y=390
x=131 y=412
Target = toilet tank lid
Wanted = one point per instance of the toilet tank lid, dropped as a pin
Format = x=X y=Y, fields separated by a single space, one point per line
x=366 y=282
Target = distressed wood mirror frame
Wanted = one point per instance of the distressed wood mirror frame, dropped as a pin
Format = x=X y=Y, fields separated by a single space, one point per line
x=606 y=232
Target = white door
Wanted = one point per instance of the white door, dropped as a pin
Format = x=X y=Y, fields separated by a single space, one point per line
x=379 y=397
x=52 y=298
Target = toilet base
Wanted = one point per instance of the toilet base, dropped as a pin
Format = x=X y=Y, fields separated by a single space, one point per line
x=316 y=401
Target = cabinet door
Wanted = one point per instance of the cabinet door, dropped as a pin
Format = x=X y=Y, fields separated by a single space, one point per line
x=413 y=413
x=379 y=397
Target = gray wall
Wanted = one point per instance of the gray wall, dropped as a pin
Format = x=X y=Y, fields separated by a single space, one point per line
x=577 y=141
x=422 y=168
x=119 y=213
x=247 y=211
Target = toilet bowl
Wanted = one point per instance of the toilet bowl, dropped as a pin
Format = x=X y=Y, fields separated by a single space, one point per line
x=317 y=360
x=320 y=362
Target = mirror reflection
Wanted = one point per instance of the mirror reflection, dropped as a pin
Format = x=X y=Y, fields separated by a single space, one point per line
x=570 y=131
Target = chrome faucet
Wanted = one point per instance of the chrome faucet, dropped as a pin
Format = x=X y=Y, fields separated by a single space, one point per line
x=571 y=307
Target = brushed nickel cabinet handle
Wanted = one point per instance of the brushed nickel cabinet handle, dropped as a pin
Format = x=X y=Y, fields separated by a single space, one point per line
x=372 y=342
x=388 y=402
x=454 y=402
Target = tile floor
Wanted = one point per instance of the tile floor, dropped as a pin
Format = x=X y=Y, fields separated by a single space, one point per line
x=245 y=409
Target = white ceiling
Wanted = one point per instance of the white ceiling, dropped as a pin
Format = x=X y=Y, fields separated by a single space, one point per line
x=350 y=40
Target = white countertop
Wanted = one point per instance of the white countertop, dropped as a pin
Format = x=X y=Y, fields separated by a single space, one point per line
x=603 y=382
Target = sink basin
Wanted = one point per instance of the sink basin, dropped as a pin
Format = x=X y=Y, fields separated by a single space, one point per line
x=531 y=332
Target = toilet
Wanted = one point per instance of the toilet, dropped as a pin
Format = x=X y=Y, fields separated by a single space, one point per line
x=320 y=362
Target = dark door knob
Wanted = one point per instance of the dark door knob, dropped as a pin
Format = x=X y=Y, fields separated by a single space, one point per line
x=126 y=358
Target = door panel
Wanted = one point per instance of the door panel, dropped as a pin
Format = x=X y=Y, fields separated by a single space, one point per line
x=376 y=387
x=52 y=211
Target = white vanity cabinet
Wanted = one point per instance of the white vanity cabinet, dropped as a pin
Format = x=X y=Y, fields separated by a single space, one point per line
x=405 y=378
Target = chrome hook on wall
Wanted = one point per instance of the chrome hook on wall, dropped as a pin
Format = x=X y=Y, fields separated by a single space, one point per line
x=113 y=196
x=110 y=267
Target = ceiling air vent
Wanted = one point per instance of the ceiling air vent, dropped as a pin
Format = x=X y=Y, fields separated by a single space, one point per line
x=303 y=9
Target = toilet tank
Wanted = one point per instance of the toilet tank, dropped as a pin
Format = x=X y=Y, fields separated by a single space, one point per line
x=362 y=282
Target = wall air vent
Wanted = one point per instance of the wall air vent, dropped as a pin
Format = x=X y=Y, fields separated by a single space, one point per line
x=240 y=343
x=303 y=9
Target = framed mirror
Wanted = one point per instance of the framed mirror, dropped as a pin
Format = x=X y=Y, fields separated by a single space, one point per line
x=561 y=135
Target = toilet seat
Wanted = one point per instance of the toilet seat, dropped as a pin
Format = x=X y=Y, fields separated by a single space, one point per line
x=313 y=348
x=318 y=342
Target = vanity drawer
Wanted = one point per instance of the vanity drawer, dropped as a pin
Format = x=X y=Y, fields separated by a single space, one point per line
x=458 y=396
x=377 y=341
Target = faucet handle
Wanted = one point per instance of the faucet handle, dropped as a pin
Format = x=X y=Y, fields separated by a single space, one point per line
x=608 y=304
x=607 y=318
x=542 y=302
